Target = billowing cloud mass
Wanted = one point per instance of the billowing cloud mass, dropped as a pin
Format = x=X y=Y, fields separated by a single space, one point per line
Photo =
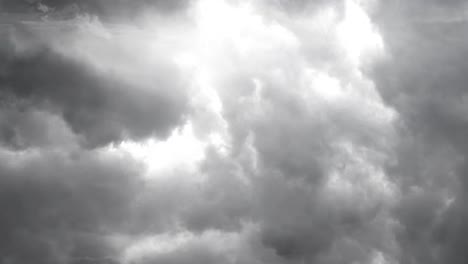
x=424 y=80
x=219 y=131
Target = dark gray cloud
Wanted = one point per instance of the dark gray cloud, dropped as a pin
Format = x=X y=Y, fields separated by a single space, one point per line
x=68 y=91
x=324 y=158
x=107 y=10
x=21 y=129
x=101 y=106
x=425 y=80
x=57 y=207
x=191 y=253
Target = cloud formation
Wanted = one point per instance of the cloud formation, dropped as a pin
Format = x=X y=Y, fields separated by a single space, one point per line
x=212 y=131
x=57 y=208
x=73 y=74
x=108 y=10
x=424 y=80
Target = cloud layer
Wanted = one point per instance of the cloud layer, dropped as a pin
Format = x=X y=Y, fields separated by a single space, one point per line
x=232 y=132
x=424 y=80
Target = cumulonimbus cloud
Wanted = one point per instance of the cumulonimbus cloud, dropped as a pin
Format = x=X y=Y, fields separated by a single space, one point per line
x=230 y=132
x=424 y=80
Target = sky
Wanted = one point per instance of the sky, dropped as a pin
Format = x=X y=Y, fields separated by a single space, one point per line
x=233 y=132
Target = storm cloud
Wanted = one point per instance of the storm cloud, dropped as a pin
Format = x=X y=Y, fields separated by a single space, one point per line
x=207 y=131
x=52 y=69
x=424 y=80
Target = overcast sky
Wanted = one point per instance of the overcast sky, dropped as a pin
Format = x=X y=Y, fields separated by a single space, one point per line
x=233 y=132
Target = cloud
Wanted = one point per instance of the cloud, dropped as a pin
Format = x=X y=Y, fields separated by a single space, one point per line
x=22 y=129
x=424 y=80
x=233 y=132
x=57 y=207
x=307 y=139
x=107 y=10
x=72 y=75
x=70 y=92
